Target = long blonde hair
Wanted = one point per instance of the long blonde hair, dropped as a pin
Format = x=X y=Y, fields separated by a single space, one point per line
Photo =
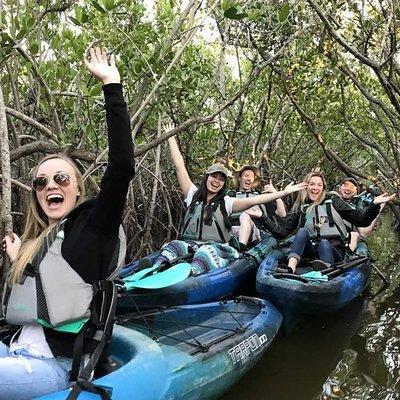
x=302 y=195
x=37 y=224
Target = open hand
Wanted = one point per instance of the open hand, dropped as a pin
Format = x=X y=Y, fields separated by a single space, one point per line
x=168 y=126
x=384 y=198
x=11 y=245
x=291 y=188
x=100 y=68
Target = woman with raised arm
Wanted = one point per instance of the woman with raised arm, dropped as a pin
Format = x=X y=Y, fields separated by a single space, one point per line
x=319 y=223
x=206 y=228
x=68 y=246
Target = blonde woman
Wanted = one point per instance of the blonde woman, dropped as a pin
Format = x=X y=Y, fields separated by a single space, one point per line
x=38 y=359
x=315 y=217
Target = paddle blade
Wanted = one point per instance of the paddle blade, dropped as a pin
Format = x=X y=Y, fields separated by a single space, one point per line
x=140 y=274
x=169 y=277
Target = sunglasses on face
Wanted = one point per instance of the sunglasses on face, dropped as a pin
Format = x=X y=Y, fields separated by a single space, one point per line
x=60 y=178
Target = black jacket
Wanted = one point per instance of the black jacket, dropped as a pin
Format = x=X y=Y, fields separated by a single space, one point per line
x=91 y=230
x=286 y=226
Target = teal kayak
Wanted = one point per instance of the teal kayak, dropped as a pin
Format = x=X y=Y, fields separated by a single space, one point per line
x=221 y=283
x=187 y=352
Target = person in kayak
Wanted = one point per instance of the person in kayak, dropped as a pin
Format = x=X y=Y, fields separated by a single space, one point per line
x=319 y=223
x=206 y=228
x=245 y=224
x=348 y=191
x=39 y=358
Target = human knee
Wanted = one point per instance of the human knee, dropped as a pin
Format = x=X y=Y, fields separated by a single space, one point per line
x=245 y=218
x=325 y=244
x=303 y=233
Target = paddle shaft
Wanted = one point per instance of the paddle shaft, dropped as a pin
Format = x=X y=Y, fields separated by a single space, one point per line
x=385 y=280
x=342 y=264
x=339 y=270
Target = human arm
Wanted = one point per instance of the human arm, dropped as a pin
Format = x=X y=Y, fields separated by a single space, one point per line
x=280 y=205
x=284 y=228
x=107 y=212
x=183 y=177
x=367 y=231
x=244 y=204
x=362 y=217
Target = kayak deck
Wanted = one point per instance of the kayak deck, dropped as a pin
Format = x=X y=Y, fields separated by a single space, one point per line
x=188 y=352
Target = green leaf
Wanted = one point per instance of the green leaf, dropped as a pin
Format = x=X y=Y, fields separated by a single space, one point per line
x=226 y=5
x=108 y=4
x=21 y=34
x=34 y=48
x=96 y=89
x=30 y=22
x=98 y=7
x=75 y=21
x=284 y=13
x=230 y=12
x=85 y=18
x=54 y=42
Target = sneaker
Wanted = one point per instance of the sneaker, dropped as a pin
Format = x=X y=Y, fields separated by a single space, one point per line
x=143 y=264
x=319 y=265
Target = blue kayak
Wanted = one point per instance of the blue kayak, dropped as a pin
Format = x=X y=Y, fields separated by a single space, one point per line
x=215 y=285
x=308 y=292
x=187 y=352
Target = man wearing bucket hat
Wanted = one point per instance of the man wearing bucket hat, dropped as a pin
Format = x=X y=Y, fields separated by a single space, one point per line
x=245 y=224
x=349 y=191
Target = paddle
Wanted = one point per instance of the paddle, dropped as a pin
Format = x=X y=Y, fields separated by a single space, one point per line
x=155 y=269
x=381 y=275
x=169 y=277
x=339 y=269
x=331 y=272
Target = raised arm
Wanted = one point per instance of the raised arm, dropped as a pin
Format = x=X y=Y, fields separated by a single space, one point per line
x=244 y=204
x=183 y=177
x=108 y=208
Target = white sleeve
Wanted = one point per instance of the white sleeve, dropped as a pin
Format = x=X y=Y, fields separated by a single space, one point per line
x=189 y=196
x=229 y=204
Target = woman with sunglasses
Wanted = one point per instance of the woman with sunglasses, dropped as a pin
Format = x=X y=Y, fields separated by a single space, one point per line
x=38 y=359
x=206 y=229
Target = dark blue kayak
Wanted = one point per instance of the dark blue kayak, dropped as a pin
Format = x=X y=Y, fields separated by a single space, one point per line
x=215 y=285
x=299 y=294
x=187 y=352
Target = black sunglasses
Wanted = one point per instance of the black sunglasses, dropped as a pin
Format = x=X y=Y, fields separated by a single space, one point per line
x=61 y=178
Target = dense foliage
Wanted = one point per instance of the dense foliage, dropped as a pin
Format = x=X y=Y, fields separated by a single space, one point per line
x=289 y=85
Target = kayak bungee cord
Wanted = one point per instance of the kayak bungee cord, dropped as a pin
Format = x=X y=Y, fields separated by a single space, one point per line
x=193 y=341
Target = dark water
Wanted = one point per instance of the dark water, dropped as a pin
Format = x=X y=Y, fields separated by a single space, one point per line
x=353 y=354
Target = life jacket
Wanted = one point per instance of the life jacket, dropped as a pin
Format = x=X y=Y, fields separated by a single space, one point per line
x=51 y=293
x=196 y=225
x=323 y=221
x=234 y=217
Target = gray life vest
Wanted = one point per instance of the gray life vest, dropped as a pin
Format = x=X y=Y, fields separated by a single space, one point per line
x=51 y=292
x=243 y=195
x=323 y=221
x=196 y=225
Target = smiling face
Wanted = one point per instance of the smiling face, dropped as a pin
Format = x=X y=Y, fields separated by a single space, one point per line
x=215 y=182
x=315 y=188
x=55 y=199
x=347 y=190
x=246 y=180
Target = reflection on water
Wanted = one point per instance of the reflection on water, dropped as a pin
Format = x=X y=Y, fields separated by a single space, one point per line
x=353 y=354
